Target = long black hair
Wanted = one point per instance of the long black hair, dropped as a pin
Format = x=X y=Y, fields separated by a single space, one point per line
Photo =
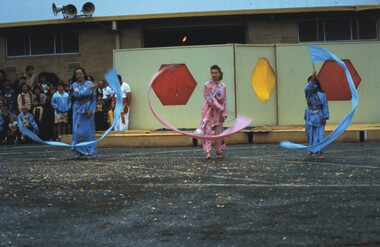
x=319 y=86
x=316 y=81
x=74 y=78
x=219 y=69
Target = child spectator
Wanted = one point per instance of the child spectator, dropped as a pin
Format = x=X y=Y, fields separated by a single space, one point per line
x=24 y=99
x=4 y=122
x=13 y=131
x=100 y=89
x=70 y=112
x=100 y=114
x=27 y=119
x=51 y=91
x=44 y=84
x=38 y=112
x=67 y=88
x=40 y=97
x=108 y=94
x=61 y=104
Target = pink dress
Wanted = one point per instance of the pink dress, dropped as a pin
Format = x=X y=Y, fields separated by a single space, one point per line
x=214 y=111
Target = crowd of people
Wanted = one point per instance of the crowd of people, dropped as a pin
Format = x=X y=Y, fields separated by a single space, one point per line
x=44 y=105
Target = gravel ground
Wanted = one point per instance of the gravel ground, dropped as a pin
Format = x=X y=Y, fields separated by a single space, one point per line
x=258 y=195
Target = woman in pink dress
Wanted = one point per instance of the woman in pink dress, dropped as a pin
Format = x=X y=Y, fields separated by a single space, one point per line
x=214 y=111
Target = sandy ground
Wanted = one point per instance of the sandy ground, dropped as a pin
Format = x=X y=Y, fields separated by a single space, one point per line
x=258 y=195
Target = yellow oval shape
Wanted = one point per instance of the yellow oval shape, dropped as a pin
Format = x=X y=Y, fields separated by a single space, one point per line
x=263 y=79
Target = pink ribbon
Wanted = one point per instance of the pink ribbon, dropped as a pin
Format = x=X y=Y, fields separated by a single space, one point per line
x=239 y=124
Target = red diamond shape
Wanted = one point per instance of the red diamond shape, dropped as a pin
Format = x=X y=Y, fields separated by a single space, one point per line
x=334 y=81
x=174 y=85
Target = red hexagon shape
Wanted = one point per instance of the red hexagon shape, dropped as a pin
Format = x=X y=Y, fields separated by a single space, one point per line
x=334 y=81
x=174 y=85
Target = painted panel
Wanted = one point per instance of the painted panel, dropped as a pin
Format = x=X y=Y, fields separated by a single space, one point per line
x=294 y=66
x=137 y=67
x=286 y=106
x=248 y=104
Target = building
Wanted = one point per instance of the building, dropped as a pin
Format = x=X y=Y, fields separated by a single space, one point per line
x=31 y=34
x=137 y=37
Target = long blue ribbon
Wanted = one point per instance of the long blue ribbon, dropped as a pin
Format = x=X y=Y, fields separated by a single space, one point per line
x=319 y=54
x=113 y=81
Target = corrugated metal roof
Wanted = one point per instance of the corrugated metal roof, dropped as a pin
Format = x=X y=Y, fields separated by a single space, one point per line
x=25 y=12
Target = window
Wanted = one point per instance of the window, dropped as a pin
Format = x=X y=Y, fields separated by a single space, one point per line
x=42 y=44
x=329 y=29
x=308 y=31
x=17 y=45
x=194 y=36
x=67 y=43
x=339 y=29
x=367 y=25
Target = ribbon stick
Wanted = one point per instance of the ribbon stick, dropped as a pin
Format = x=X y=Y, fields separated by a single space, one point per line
x=319 y=54
x=111 y=78
x=239 y=124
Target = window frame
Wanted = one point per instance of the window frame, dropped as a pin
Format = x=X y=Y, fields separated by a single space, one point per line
x=352 y=20
x=29 y=39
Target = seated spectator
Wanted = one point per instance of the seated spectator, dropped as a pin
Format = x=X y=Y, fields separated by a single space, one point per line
x=4 y=119
x=27 y=119
x=13 y=131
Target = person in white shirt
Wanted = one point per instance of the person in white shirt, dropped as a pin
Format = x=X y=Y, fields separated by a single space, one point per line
x=123 y=122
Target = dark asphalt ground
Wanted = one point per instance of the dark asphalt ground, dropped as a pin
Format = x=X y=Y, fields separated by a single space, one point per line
x=258 y=195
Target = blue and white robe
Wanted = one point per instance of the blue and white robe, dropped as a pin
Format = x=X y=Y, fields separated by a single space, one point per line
x=317 y=110
x=84 y=99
